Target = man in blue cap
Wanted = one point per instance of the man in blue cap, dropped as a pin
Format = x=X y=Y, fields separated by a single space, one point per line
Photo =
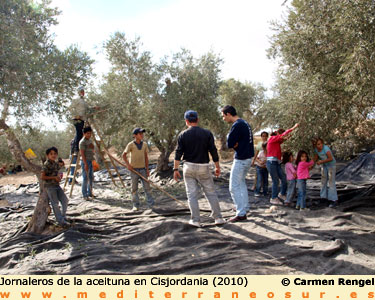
x=138 y=161
x=194 y=144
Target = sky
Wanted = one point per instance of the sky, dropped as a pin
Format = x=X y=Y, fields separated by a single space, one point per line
x=237 y=30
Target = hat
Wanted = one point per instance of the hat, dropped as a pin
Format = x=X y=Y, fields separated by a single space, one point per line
x=191 y=116
x=81 y=89
x=138 y=130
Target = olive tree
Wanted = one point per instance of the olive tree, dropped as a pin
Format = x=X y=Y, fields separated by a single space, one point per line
x=142 y=93
x=326 y=76
x=35 y=77
x=248 y=99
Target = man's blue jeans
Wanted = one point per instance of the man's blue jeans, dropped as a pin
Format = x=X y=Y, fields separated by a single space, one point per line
x=237 y=185
x=328 y=190
x=87 y=179
x=301 y=187
x=277 y=174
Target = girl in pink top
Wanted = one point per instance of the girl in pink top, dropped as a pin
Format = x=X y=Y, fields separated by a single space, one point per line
x=304 y=165
x=291 y=177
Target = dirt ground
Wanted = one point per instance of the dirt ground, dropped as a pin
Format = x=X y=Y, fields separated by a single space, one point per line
x=108 y=238
x=19 y=178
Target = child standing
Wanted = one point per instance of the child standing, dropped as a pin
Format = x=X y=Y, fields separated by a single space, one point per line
x=291 y=177
x=303 y=166
x=325 y=159
x=136 y=159
x=258 y=148
x=50 y=175
x=86 y=147
x=262 y=173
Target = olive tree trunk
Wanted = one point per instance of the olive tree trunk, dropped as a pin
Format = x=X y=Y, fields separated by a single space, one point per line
x=42 y=209
x=165 y=152
x=163 y=161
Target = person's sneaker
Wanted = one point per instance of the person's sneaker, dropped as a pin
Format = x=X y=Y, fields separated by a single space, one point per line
x=194 y=223
x=86 y=198
x=297 y=207
x=92 y=196
x=276 y=201
x=135 y=208
x=304 y=209
x=282 y=197
x=237 y=219
x=333 y=204
x=219 y=221
x=256 y=195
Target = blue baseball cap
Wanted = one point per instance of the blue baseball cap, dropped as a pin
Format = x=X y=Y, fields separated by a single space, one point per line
x=191 y=115
x=138 y=130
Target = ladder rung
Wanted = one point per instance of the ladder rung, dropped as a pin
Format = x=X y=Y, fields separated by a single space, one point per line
x=73 y=165
x=70 y=176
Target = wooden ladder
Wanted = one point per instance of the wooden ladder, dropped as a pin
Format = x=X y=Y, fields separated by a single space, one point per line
x=107 y=163
x=100 y=143
x=73 y=177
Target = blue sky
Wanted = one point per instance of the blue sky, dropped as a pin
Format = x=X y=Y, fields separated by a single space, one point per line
x=237 y=30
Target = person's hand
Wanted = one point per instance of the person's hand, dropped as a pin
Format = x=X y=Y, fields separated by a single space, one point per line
x=130 y=168
x=217 y=172
x=295 y=126
x=176 y=175
x=235 y=146
x=319 y=162
x=57 y=178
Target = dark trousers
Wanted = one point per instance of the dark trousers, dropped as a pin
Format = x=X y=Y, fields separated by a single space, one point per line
x=78 y=124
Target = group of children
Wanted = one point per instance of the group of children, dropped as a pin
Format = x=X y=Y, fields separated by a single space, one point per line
x=297 y=175
x=134 y=155
x=296 y=172
x=52 y=175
